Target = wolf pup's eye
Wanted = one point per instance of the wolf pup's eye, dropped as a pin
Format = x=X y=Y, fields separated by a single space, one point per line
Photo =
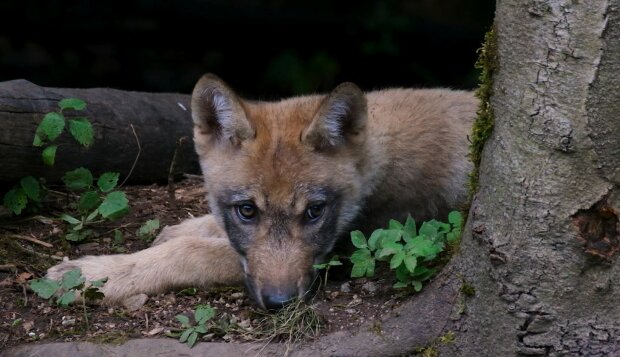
x=246 y=211
x=315 y=211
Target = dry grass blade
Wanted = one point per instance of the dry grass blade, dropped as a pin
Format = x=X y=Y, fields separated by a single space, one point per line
x=294 y=323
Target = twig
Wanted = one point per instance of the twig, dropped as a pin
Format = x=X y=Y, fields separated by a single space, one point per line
x=8 y=267
x=135 y=161
x=31 y=239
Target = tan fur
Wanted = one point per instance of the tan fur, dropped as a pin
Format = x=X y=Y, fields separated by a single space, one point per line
x=405 y=153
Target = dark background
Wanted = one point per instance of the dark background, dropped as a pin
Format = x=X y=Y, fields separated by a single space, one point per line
x=263 y=48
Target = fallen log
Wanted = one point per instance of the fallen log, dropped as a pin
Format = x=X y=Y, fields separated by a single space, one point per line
x=125 y=124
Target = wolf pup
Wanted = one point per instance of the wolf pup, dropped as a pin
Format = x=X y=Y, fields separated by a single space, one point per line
x=287 y=179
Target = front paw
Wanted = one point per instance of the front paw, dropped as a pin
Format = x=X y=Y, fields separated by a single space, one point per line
x=90 y=270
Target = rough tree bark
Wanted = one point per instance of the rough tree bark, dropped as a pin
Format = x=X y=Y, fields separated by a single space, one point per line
x=159 y=120
x=541 y=245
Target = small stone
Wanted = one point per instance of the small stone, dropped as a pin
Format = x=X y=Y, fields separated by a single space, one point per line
x=237 y=295
x=369 y=287
x=31 y=334
x=345 y=287
x=68 y=322
x=135 y=302
x=350 y=311
x=155 y=331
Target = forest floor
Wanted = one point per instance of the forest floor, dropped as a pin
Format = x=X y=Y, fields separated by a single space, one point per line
x=31 y=244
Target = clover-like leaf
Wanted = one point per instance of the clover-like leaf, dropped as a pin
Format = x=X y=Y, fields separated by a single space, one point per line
x=49 y=155
x=72 y=103
x=67 y=298
x=358 y=239
x=15 y=200
x=184 y=320
x=45 y=288
x=114 y=205
x=31 y=187
x=78 y=179
x=203 y=314
x=107 y=182
x=82 y=131
x=72 y=279
x=50 y=127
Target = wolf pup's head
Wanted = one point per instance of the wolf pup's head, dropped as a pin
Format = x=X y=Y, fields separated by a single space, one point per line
x=284 y=179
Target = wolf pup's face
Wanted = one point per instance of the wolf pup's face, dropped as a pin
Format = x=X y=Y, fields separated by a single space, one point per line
x=285 y=179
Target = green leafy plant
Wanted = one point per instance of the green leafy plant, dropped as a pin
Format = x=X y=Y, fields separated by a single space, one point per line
x=53 y=124
x=333 y=261
x=66 y=290
x=30 y=190
x=148 y=230
x=407 y=250
x=190 y=334
x=94 y=202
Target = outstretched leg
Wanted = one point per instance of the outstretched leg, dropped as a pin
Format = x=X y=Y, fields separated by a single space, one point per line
x=186 y=260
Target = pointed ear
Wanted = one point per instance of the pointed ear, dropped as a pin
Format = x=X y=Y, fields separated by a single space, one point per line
x=340 y=119
x=218 y=113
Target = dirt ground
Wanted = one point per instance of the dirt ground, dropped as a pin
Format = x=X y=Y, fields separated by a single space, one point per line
x=30 y=244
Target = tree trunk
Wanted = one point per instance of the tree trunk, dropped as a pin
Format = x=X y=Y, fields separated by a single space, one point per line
x=159 y=121
x=542 y=240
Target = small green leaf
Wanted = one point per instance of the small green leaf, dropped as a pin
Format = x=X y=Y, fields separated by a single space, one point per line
x=186 y=334
x=370 y=268
x=358 y=239
x=184 y=320
x=71 y=279
x=397 y=259
x=203 y=314
x=390 y=236
x=67 y=298
x=361 y=255
x=108 y=181
x=389 y=249
x=45 y=288
x=98 y=283
x=394 y=224
x=118 y=237
x=359 y=270
x=16 y=322
x=88 y=201
x=410 y=227
x=74 y=237
x=50 y=127
x=92 y=215
x=31 y=187
x=15 y=200
x=82 y=131
x=201 y=329
x=49 y=155
x=78 y=179
x=429 y=230
x=191 y=340
x=148 y=229
x=114 y=205
x=410 y=263
x=374 y=237
x=37 y=141
x=417 y=285
x=400 y=285
x=452 y=236
x=72 y=103
x=93 y=294
x=455 y=218
x=69 y=219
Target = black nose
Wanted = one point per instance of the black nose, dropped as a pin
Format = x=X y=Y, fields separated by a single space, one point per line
x=275 y=300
